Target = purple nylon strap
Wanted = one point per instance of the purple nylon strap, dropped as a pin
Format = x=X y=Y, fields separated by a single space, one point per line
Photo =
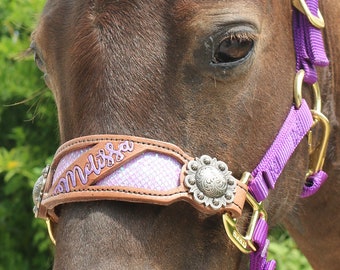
x=309 y=46
x=310 y=52
x=295 y=127
x=313 y=183
x=258 y=259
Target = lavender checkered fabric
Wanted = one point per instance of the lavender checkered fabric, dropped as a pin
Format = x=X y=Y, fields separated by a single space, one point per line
x=150 y=170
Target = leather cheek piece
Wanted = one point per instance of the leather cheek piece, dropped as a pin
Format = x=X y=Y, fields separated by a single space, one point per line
x=125 y=168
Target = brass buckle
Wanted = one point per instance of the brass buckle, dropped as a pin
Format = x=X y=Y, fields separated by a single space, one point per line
x=317 y=151
x=316 y=21
x=244 y=242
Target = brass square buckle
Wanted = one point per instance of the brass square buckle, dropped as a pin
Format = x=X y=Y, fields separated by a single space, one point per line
x=245 y=242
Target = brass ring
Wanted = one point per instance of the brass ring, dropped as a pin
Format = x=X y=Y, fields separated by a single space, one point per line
x=298 y=81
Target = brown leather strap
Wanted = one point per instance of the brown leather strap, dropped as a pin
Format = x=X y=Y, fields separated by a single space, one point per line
x=99 y=156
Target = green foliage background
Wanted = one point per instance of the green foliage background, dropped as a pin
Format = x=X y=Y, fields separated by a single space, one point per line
x=28 y=139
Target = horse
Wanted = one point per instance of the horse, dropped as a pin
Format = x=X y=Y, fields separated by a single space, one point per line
x=213 y=77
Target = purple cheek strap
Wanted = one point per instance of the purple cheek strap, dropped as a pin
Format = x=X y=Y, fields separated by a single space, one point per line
x=265 y=175
x=294 y=129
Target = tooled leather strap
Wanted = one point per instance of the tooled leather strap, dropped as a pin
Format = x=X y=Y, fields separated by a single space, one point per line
x=127 y=168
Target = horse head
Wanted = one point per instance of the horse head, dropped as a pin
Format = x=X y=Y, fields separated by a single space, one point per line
x=213 y=77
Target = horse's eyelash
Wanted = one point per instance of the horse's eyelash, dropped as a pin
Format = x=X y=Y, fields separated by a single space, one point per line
x=29 y=51
x=25 y=53
x=241 y=36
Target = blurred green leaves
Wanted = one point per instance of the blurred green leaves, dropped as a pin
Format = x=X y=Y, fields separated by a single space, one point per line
x=28 y=137
x=283 y=249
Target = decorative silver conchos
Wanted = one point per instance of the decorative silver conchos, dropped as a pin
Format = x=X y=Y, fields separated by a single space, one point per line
x=210 y=182
x=38 y=189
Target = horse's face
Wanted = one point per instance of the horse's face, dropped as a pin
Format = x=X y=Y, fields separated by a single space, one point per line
x=213 y=77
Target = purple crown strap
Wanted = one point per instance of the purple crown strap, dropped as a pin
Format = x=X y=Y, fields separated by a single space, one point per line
x=295 y=127
x=309 y=46
x=258 y=259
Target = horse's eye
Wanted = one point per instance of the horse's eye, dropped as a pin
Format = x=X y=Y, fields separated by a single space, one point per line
x=232 y=49
x=37 y=59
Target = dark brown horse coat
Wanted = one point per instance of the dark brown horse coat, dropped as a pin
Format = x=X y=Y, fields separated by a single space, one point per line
x=214 y=77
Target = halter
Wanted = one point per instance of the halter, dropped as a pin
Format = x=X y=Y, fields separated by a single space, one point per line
x=128 y=168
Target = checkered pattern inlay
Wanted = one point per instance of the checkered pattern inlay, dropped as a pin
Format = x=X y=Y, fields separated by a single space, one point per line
x=150 y=170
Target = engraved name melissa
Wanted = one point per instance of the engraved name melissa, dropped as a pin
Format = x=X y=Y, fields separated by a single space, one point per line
x=105 y=158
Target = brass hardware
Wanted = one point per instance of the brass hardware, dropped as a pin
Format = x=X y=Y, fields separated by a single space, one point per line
x=245 y=242
x=246 y=177
x=316 y=21
x=317 y=153
x=317 y=97
x=298 y=82
x=50 y=232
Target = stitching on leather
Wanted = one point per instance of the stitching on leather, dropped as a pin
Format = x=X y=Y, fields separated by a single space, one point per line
x=62 y=148
x=131 y=192
x=122 y=190
x=245 y=190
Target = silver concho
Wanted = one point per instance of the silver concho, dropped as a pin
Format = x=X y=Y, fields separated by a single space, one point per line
x=210 y=182
x=38 y=189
